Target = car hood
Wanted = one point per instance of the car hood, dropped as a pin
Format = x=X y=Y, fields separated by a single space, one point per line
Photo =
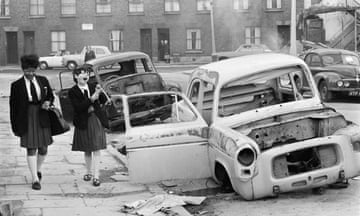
x=345 y=71
x=233 y=53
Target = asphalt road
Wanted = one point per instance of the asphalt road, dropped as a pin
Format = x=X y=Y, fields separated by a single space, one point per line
x=333 y=202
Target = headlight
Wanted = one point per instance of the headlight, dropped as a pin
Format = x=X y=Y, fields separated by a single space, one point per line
x=346 y=84
x=340 y=83
x=246 y=156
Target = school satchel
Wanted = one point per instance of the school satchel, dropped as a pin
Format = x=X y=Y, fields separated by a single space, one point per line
x=57 y=122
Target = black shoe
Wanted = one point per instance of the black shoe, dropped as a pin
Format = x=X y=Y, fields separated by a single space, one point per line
x=36 y=186
x=39 y=175
x=96 y=182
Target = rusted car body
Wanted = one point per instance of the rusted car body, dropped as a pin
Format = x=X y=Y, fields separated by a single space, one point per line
x=244 y=122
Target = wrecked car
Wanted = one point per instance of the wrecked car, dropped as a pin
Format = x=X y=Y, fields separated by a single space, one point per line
x=246 y=123
x=109 y=68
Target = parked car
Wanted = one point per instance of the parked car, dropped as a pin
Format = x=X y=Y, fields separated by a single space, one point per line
x=53 y=60
x=336 y=71
x=244 y=122
x=244 y=49
x=104 y=70
x=75 y=60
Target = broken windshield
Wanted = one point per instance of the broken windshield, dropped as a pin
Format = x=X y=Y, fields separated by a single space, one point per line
x=264 y=89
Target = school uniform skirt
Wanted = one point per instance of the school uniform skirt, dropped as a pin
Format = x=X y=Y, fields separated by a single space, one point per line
x=36 y=136
x=91 y=139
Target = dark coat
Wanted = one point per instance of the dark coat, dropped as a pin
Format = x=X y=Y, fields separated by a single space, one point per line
x=81 y=105
x=19 y=103
x=89 y=55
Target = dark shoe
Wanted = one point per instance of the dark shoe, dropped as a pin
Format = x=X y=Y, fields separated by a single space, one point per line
x=87 y=177
x=39 y=175
x=96 y=182
x=36 y=186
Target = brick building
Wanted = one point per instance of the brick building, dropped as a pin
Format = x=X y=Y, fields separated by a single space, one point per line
x=180 y=29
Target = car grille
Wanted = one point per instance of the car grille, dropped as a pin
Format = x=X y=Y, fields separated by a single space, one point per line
x=305 y=160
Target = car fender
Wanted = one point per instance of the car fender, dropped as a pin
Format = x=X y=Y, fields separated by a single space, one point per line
x=329 y=77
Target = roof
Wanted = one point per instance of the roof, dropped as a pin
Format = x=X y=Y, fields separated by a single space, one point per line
x=243 y=66
x=116 y=57
x=332 y=51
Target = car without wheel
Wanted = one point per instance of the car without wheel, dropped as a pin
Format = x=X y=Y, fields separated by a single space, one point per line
x=246 y=123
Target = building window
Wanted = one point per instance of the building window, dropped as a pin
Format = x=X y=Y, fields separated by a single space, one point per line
x=172 y=6
x=136 y=6
x=58 y=41
x=103 y=6
x=116 y=41
x=273 y=4
x=203 y=5
x=193 y=39
x=4 y=8
x=36 y=7
x=68 y=7
x=241 y=4
x=252 y=35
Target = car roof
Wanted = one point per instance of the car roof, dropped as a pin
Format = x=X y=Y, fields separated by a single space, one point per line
x=322 y=51
x=243 y=66
x=117 y=57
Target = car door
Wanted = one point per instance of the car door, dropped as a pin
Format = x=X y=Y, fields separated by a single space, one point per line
x=166 y=138
x=66 y=82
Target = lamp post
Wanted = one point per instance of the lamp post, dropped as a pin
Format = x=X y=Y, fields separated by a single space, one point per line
x=212 y=26
x=293 y=50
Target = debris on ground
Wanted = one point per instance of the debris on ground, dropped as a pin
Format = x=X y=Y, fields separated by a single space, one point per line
x=160 y=203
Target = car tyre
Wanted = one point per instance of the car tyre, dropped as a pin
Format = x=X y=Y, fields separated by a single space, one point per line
x=71 y=65
x=325 y=94
x=43 y=65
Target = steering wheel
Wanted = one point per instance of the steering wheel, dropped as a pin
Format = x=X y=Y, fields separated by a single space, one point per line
x=111 y=77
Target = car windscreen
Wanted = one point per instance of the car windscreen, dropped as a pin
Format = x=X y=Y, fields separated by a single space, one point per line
x=340 y=59
x=264 y=89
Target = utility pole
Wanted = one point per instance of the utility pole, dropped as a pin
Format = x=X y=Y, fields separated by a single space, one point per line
x=293 y=50
x=212 y=27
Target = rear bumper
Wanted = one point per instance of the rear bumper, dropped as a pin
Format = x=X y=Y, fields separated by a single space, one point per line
x=264 y=183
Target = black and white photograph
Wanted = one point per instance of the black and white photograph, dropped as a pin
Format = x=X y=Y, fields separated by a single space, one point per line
x=179 y=107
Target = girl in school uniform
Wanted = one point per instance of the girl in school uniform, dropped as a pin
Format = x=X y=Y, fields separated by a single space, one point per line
x=30 y=98
x=89 y=135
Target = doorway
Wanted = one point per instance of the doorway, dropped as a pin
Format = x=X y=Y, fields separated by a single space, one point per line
x=12 y=48
x=164 y=44
x=29 y=42
x=284 y=36
x=146 y=41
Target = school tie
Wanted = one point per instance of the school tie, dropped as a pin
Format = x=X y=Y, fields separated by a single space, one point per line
x=86 y=94
x=34 y=96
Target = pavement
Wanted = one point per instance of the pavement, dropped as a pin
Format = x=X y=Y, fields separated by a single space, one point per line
x=63 y=190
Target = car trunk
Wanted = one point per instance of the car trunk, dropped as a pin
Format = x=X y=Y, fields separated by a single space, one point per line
x=293 y=128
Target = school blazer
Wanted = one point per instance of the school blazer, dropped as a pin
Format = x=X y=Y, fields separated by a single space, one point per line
x=81 y=105
x=19 y=103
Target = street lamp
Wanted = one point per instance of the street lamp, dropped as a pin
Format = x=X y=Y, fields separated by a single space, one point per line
x=293 y=50
x=212 y=26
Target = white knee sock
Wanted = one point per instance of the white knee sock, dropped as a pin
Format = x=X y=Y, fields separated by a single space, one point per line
x=32 y=163
x=88 y=160
x=40 y=161
x=96 y=163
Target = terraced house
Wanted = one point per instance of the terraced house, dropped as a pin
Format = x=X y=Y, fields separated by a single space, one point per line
x=176 y=30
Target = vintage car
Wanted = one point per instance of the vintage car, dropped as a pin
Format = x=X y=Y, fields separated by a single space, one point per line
x=53 y=60
x=243 y=49
x=336 y=72
x=244 y=122
x=104 y=70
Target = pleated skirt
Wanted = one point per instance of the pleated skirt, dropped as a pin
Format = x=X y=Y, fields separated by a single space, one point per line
x=91 y=139
x=36 y=136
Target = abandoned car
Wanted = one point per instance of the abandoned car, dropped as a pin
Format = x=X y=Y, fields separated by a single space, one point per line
x=336 y=72
x=107 y=68
x=244 y=122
